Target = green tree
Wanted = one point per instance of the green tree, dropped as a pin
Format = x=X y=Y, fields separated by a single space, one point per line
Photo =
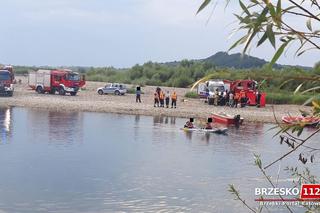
x=317 y=68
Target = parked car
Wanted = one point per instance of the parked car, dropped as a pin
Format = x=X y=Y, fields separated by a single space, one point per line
x=114 y=88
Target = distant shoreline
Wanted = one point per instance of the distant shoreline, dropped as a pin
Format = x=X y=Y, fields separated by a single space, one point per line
x=89 y=101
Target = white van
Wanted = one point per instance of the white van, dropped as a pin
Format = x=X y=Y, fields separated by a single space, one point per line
x=208 y=88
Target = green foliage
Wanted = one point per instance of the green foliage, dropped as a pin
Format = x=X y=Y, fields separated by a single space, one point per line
x=261 y=20
x=131 y=90
x=316 y=68
x=191 y=94
x=286 y=98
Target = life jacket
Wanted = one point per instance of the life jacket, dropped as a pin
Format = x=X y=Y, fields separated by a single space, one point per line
x=174 y=96
x=236 y=96
x=208 y=126
x=242 y=94
x=189 y=125
x=161 y=95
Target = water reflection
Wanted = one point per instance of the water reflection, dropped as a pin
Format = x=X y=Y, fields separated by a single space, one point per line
x=5 y=124
x=66 y=126
x=137 y=119
x=61 y=127
x=159 y=119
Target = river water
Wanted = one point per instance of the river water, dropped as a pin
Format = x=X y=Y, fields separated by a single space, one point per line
x=97 y=162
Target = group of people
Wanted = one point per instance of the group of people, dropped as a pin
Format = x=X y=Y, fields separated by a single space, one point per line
x=162 y=99
x=189 y=124
x=232 y=99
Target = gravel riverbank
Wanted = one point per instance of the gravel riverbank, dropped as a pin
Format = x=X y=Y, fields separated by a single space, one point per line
x=89 y=100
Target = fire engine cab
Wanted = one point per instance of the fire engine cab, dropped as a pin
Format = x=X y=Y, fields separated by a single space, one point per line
x=6 y=80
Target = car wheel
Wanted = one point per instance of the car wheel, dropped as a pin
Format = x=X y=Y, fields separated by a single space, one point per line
x=62 y=91
x=100 y=92
x=39 y=90
x=117 y=92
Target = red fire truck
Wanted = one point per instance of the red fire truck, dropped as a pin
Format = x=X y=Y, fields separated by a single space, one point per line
x=250 y=89
x=62 y=81
x=6 y=81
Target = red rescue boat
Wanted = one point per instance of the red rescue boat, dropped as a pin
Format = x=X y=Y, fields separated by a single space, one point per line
x=307 y=121
x=224 y=118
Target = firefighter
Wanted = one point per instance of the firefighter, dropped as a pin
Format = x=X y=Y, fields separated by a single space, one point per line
x=174 y=99
x=236 y=99
x=167 y=99
x=231 y=99
x=243 y=98
x=258 y=99
x=161 y=98
x=156 y=99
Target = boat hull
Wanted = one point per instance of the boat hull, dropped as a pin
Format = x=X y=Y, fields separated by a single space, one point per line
x=307 y=121
x=214 y=130
x=226 y=119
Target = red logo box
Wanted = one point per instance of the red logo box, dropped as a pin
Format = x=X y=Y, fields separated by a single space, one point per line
x=310 y=191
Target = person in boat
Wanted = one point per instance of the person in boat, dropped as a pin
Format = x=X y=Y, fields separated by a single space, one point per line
x=189 y=124
x=209 y=124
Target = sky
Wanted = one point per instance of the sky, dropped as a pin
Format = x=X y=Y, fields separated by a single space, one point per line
x=119 y=33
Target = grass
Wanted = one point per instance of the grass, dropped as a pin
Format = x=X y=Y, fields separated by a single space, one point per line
x=286 y=98
x=191 y=94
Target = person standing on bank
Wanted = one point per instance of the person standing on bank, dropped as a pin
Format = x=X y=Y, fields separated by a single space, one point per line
x=161 y=98
x=258 y=99
x=167 y=99
x=174 y=98
x=156 y=99
x=138 y=94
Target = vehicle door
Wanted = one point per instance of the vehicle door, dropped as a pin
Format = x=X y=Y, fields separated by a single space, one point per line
x=202 y=90
x=106 y=88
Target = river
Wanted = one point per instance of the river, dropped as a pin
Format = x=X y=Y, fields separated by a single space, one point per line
x=97 y=162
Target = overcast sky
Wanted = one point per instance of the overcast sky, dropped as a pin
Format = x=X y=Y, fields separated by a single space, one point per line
x=118 y=33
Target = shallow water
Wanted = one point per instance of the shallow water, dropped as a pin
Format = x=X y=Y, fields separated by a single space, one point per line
x=95 y=162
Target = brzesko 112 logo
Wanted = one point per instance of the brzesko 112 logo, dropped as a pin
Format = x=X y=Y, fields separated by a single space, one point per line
x=308 y=194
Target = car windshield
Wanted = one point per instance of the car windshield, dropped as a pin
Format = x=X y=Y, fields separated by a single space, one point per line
x=73 y=77
x=213 y=88
x=4 y=76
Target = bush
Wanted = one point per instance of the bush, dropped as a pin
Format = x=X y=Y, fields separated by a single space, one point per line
x=132 y=90
x=191 y=94
x=182 y=81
